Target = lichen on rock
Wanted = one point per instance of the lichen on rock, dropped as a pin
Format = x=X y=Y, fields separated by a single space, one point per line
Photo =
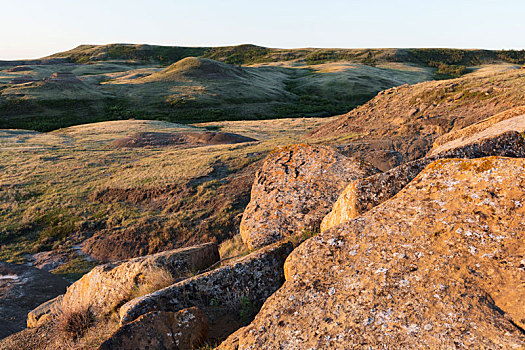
x=489 y=138
x=295 y=189
x=440 y=265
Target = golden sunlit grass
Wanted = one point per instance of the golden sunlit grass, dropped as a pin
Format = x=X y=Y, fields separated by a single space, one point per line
x=47 y=178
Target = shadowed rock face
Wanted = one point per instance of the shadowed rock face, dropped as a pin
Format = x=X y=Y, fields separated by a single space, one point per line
x=294 y=190
x=185 y=329
x=440 y=265
x=21 y=289
x=495 y=136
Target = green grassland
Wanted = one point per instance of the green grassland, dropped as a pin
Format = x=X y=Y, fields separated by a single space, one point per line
x=192 y=84
x=191 y=90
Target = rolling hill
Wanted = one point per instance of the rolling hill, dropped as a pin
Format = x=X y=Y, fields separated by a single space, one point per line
x=94 y=83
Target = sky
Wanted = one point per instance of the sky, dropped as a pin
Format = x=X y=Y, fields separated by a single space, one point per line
x=36 y=28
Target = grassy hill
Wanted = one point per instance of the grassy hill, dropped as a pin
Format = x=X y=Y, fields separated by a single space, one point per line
x=404 y=121
x=75 y=190
x=138 y=84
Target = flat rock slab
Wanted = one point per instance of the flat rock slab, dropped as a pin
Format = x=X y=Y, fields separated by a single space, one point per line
x=440 y=265
x=254 y=277
x=513 y=121
x=294 y=190
x=21 y=289
x=503 y=138
x=185 y=329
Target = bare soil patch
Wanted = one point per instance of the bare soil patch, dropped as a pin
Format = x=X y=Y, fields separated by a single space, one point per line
x=201 y=138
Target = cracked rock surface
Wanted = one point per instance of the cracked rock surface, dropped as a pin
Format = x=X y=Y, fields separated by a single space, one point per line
x=440 y=265
x=295 y=189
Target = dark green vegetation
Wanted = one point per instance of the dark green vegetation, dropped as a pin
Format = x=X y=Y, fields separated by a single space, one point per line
x=123 y=81
x=250 y=54
x=115 y=82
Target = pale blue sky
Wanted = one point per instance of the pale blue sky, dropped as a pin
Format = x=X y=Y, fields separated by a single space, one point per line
x=35 y=28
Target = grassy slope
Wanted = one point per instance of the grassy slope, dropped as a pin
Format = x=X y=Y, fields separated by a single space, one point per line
x=406 y=120
x=48 y=183
x=286 y=83
x=200 y=91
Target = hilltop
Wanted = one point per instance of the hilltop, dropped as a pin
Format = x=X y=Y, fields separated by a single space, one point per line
x=93 y=83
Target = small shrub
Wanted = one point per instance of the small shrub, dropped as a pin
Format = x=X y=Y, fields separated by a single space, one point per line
x=154 y=279
x=73 y=323
x=233 y=247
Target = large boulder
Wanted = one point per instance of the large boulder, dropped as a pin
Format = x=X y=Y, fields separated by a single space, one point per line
x=254 y=277
x=108 y=286
x=440 y=265
x=495 y=136
x=185 y=329
x=22 y=288
x=294 y=190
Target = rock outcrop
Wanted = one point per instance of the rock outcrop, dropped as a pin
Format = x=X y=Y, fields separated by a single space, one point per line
x=494 y=137
x=511 y=120
x=21 y=289
x=440 y=265
x=254 y=277
x=405 y=120
x=185 y=329
x=294 y=190
x=110 y=285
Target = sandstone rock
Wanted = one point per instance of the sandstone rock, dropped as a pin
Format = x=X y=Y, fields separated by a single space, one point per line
x=185 y=329
x=50 y=260
x=294 y=190
x=499 y=139
x=108 y=286
x=480 y=127
x=43 y=313
x=21 y=289
x=440 y=265
x=254 y=277
x=511 y=120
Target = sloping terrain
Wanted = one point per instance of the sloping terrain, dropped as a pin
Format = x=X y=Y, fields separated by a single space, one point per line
x=184 y=84
x=437 y=266
x=405 y=121
x=74 y=187
x=51 y=95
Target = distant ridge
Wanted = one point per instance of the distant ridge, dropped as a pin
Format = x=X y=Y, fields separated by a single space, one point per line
x=249 y=54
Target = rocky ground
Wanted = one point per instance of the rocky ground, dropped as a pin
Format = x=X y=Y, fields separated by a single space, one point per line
x=401 y=231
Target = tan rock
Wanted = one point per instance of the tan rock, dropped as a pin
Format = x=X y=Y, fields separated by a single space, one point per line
x=254 y=277
x=294 y=190
x=185 y=329
x=482 y=126
x=44 y=312
x=110 y=285
x=498 y=138
x=440 y=265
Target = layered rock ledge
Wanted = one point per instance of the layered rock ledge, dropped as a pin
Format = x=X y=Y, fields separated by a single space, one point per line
x=493 y=137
